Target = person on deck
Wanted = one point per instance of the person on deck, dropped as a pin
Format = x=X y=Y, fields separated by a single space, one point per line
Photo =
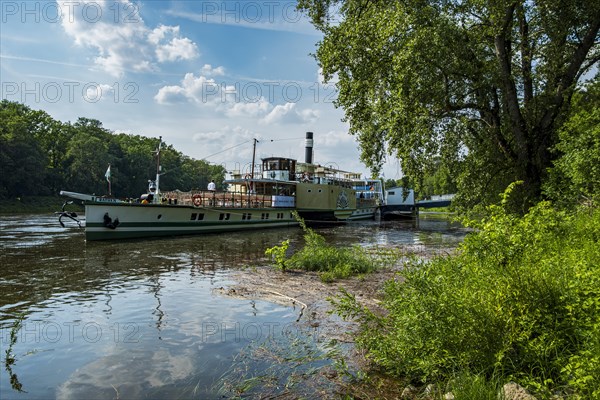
x=211 y=186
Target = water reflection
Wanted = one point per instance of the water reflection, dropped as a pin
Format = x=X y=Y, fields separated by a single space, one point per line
x=133 y=319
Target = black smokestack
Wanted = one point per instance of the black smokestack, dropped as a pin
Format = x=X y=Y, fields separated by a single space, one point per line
x=308 y=153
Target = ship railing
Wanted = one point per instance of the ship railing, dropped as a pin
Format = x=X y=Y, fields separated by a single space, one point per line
x=222 y=199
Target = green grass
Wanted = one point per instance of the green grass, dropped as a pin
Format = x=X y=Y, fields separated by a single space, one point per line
x=330 y=262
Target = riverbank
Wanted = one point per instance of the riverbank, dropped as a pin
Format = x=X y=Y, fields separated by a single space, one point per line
x=32 y=205
x=350 y=372
x=320 y=328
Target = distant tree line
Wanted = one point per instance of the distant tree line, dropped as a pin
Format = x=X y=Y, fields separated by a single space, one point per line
x=41 y=156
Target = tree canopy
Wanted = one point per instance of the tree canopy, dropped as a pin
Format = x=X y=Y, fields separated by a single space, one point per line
x=481 y=86
x=41 y=156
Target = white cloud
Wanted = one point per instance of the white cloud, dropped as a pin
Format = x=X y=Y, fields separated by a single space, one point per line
x=176 y=48
x=170 y=95
x=250 y=109
x=288 y=114
x=122 y=40
x=208 y=70
x=195 y=89
x=225 y=99
x=98 y=92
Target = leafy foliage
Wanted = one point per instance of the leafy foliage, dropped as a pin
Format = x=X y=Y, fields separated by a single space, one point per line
x=278 y=254
x=575 y=177
x=482 y=87
x=40 y=156
x=518 y=302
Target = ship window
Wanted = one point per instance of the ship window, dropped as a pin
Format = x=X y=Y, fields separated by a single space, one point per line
x=309 y=190
x=249 y=216
x=227 y=215
x=159 y=216
x=200 y=217
x=320 y=190
x=193 y=217
x=221 y=217
x=391 y=193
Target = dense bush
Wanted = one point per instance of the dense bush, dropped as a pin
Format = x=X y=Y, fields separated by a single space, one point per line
x=519 y=301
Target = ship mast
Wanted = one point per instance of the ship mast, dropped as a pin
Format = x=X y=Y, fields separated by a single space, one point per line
x=158 y=169
x=252 y=167
x=253 y=158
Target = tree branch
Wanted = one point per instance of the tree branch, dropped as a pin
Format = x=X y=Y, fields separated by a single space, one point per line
x=525 y=56
x=568 y=78
x=502 y=46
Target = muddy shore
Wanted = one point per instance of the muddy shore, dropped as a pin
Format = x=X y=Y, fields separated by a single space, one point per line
x=305 y=290
x=309 y=296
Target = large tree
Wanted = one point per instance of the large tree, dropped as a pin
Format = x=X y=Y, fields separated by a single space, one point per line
x=482 y=84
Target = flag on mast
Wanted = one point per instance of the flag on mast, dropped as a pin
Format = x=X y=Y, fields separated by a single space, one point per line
x=107 y=176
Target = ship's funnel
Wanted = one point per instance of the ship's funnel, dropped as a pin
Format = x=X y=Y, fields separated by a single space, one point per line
x=309 y=148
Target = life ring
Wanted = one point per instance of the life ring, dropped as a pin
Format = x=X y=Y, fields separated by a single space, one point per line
x=197 y=200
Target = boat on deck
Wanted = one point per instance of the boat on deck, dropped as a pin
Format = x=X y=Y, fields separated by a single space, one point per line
x=262 y=198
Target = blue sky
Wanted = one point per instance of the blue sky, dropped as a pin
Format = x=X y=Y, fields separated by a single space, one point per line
x=204 y=75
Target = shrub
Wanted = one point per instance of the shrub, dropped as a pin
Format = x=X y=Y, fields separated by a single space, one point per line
x=316 y=255
x=519 y=301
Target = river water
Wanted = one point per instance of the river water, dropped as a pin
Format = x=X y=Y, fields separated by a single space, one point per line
x=142 y=319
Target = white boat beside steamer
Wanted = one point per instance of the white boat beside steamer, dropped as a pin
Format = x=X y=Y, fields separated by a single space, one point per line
x=369 y=196
x=399 y=203
x=265 y=198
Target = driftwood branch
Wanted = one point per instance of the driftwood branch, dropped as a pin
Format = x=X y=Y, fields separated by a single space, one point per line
x=293 y=300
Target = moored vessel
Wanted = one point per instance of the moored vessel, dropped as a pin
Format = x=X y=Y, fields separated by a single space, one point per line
x=265 y=197
x=369 y=197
